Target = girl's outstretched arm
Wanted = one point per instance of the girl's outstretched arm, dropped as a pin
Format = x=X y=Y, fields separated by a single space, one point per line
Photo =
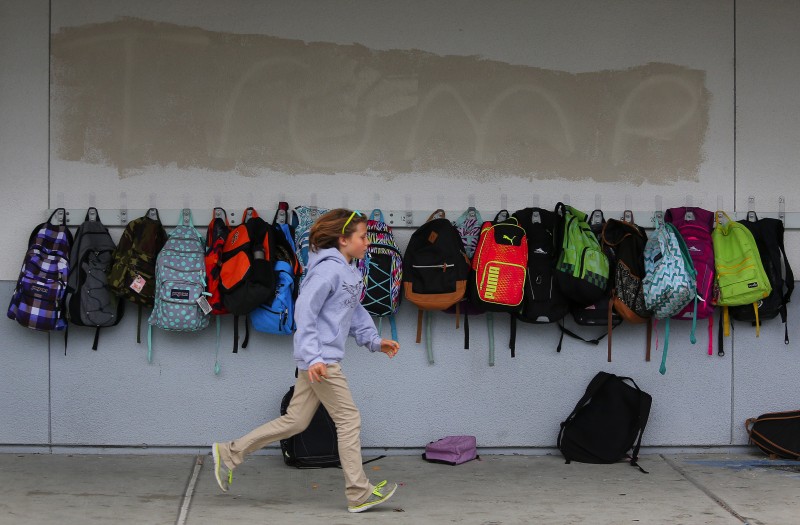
x=390 y=347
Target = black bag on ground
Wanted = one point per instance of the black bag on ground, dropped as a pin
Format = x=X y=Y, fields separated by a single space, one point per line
x=776 y=433
x=607 y=422
x=316 y=446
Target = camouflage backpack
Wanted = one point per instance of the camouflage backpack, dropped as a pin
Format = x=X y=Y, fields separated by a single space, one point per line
x=133 y=271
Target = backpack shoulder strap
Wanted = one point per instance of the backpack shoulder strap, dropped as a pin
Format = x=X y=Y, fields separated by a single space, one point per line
x=595 y=385
x=218 y=227
x=185 y=218
x=503 y=215
x=282 y=213
x=220 y=213
x=645 y=401
x=249 y=213
x=60 y=215
x=438 y=214
x=789 y=278
x=377 y=215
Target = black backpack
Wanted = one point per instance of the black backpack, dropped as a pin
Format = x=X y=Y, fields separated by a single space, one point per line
x=543 y=301
x=435 y=269
x=316 y=446
x=607 y=422
x=90 y=299
x=776 y=433
x=768 y=234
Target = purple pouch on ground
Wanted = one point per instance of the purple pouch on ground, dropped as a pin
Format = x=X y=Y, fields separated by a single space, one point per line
x=452 y=450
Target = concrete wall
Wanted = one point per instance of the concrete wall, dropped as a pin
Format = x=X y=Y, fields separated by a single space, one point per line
x=607 y=71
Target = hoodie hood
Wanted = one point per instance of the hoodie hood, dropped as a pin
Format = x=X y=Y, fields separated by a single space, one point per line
x=314 y=258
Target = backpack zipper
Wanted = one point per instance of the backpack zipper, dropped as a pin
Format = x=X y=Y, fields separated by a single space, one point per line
x=443 y=266
x=737 y=268
x=381 y=245
x=583 y=260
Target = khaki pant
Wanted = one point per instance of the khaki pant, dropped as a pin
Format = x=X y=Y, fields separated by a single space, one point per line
x=335 y=396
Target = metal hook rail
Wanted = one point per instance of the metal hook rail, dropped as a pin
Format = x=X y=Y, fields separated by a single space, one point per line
x=115 y=217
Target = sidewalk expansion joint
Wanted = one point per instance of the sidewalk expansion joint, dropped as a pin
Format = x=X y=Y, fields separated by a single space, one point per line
x=705 y=490
x=183 y=514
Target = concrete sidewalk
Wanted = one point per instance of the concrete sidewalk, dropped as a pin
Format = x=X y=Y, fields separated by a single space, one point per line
x=154 y=489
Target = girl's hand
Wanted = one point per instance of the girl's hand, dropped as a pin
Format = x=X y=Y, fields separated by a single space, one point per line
x=317 y=371
x=389 y=347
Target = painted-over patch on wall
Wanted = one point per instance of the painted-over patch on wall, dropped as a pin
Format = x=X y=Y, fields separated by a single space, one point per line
x=136 y=94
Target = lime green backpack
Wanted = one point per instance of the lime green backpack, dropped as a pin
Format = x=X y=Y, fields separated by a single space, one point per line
x=741 y=278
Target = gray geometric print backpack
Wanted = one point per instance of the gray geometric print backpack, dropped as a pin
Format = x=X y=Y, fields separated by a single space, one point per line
x=90 y=300
x=670 y=281
x=181 y=304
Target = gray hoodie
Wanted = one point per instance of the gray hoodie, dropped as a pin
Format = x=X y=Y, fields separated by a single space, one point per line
x=329 y=309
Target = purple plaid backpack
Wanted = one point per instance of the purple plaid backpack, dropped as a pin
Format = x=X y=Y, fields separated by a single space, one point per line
x=38 y=301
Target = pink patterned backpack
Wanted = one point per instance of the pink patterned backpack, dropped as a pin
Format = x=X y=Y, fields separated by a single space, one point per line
x=695 y=226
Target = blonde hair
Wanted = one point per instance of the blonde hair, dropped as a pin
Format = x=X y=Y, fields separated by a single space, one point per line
x=325 y=232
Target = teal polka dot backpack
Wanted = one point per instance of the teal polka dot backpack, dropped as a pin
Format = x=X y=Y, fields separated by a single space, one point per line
x=180 y=303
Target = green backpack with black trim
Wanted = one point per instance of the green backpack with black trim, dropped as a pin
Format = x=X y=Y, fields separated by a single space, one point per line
x=741 y=279
x=582 y=267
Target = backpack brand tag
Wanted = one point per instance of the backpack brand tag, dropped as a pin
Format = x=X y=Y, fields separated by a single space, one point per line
x=39 y=290
x=536 y=218
x=179 y=294
x=752 y=285
x=137 y=284
x=202 y=302
x=432 y=237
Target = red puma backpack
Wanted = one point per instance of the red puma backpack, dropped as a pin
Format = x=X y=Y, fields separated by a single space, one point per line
x=499 y=266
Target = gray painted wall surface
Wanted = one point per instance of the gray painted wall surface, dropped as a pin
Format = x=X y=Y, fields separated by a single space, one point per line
x=114 y=397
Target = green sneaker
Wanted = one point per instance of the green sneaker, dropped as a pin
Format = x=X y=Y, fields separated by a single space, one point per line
x=222 y=474
x=381 y=493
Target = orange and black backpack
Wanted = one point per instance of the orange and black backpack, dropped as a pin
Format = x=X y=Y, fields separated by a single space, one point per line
x=246 y=276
